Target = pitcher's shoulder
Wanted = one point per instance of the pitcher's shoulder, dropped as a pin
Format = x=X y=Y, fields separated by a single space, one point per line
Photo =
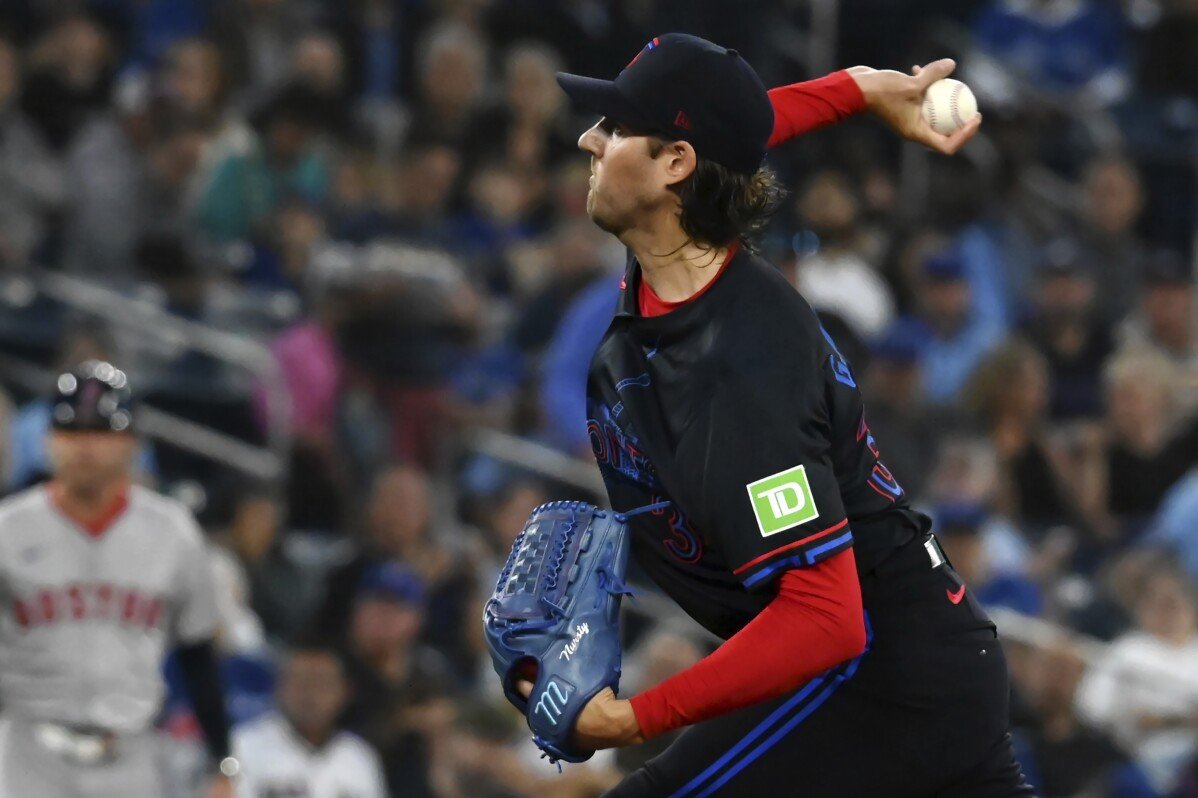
x=762 y=284
x=767 y=318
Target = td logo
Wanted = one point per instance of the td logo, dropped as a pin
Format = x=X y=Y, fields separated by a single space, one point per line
x=783 y=500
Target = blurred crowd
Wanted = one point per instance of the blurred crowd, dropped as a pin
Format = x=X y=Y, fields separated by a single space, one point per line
x=385 y=196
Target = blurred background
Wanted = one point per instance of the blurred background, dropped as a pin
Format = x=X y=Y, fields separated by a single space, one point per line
x=342 y=250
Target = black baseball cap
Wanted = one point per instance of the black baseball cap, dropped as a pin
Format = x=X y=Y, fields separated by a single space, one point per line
x=93 y=396
x=686 y=88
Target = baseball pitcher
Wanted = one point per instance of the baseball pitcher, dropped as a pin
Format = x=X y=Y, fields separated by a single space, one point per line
x=746 y=483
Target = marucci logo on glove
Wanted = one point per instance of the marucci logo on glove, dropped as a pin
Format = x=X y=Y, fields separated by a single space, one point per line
x=782 y=501
x=553 y=700
x=569 y=649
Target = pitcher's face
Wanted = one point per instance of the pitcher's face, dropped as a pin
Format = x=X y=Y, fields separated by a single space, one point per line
x=627 y=184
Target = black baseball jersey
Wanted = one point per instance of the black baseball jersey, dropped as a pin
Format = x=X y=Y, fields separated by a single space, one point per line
x=738 y=409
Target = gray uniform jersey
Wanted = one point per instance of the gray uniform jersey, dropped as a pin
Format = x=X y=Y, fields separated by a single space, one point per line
x=85 y=619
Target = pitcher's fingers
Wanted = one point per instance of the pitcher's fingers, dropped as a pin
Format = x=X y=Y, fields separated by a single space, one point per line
x=956 y=141
x=936 y=70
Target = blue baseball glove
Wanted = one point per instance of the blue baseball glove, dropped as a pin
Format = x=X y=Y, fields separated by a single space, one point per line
x=555 y=611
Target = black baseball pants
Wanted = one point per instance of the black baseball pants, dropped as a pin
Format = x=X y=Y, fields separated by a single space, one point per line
x=922 y=714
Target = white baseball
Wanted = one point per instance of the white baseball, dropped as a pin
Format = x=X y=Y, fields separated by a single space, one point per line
x=948 y=105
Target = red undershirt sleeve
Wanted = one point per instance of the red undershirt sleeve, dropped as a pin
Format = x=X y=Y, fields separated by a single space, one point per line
x=803 y=107
x=814 y=623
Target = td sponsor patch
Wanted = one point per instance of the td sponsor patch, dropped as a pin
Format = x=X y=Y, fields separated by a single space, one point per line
x=782 y=501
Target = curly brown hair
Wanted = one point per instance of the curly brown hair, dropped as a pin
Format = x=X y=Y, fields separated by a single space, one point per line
x=719 y=206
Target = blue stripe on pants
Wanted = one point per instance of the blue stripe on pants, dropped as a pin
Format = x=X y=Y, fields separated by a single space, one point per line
x=797 y=709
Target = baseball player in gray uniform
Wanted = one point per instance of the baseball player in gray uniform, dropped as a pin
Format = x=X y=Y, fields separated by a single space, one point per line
x=97 y=578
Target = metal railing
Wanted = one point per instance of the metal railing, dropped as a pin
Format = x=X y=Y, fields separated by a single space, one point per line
x=146 y=319
x=537 y=458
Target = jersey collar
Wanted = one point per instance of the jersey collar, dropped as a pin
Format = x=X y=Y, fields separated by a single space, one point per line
x=630 y=288
x=102 y=523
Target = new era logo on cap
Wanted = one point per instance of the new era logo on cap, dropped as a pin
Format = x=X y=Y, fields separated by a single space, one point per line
x=682 y=121
x=782 y=501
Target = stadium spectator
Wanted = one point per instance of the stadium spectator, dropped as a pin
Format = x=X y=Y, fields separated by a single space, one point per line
x=318 y=66
x=1143 y=690
x=425 y=191
x=497 y=217
x=256 y=37
x=1113 y=201
x=1173 y=527
x=1067 y=756
x=356 y=209
x=452 y=63
x=1064 y=329
x=501 y=516
x=1009 y=396
x=838 y=276
x=563 y=382
x=1165 y=321
x=256 y=535
x=482 y=763
x=31 y=173
x=1067 y=48
x=193 y=81
x=166 y=262
x=574 y=260
x=313 y=374
x=1144 y=451
x=960 y=338
x=398 y=527
x=532 y=129
x=378 y=41
x=400 y=705
x=299 y=748
x=898 y=413
x=247 y=186
x=131 y=173
x=284 y=250
x=68 y=78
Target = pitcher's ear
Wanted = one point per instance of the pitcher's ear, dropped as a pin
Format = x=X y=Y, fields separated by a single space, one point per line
x=682 y=161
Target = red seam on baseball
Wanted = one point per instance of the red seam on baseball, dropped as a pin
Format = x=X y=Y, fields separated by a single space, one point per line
x=953 y=105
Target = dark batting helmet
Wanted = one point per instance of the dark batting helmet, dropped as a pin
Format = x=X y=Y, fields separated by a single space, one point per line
x=92 y=396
